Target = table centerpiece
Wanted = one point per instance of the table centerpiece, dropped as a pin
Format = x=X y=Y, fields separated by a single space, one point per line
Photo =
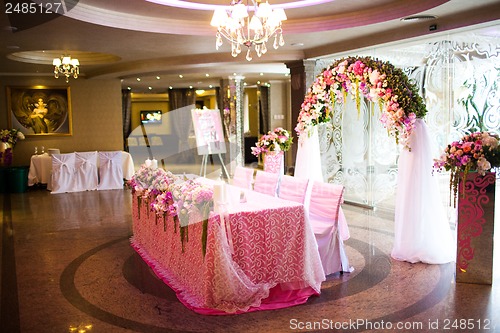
x=470 y=161
x=272 y=147
x=8 y=140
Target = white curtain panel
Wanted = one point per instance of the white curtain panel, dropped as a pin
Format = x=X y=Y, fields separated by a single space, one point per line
x=243 y=177
x=293 y=188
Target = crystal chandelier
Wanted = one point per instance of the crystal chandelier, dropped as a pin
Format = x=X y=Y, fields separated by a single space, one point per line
x=66 y=66
x=240 y=28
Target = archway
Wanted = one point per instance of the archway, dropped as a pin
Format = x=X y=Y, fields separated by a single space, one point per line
x=418 y=235
x=357 y=77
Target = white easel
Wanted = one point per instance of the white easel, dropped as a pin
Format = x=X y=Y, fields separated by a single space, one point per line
x=204 y=162
x=209 y=137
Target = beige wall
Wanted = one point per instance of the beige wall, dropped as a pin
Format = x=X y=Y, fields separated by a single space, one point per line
x=160 y=102
x=150 y=102
x=96 y=116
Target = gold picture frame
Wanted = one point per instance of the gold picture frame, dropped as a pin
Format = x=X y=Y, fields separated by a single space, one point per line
x=40 y=110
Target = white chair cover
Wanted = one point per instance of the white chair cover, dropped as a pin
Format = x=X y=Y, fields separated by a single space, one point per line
x=243 y=177
x=110 y=170
x=63 y=173
x=293 y=189
x=266 y=182
x=329 y=230
x=127 y=165
x=86 y=171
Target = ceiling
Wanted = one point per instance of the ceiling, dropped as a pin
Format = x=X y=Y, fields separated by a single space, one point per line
x=157 y=41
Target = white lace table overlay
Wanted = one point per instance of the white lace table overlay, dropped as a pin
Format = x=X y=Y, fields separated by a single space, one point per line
x=272 y=246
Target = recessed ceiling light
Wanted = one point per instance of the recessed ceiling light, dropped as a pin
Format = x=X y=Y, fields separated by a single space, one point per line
x=210 y=86
x=170 y=87
x=181 y=76
x=138 y=79
x=207 y=75
x=418 y=18
x=150 y=88
x=157 y=77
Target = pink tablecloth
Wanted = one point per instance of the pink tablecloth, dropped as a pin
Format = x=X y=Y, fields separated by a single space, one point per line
x=275 y=262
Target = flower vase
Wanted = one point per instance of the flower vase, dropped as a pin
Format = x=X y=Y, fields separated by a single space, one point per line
x=6 y=154
x=476 y=208
x=274 y=162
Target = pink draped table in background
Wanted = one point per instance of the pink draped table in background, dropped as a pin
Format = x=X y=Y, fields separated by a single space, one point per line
x=261 y=256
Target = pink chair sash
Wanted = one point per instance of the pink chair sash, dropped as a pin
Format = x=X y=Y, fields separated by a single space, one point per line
x=326 y=199
x=266 y=182
x=293 y=189
x=243 y=177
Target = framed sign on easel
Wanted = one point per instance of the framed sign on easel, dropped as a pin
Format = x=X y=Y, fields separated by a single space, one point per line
x=209 y=136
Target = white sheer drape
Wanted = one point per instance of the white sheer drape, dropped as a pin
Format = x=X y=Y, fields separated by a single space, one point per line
x=422 y=231
x=308 y=161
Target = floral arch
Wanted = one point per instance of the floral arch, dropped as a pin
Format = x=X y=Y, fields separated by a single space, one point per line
x=373 y=79
x=421 y=227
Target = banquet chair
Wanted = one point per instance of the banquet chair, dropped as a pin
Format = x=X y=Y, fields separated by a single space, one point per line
x=330 y=230
x=243 y=177
x=293 y=188
x=110 y=170
x=86 y=171
x=62 y=178
x=266 y=182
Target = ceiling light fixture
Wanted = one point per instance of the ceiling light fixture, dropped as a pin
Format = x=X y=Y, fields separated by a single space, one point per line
x=66 y=66
x=242 y=29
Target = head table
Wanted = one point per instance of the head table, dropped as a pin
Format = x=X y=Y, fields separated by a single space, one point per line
x=261 y=254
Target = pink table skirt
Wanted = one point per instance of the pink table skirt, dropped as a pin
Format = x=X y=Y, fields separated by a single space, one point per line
x=269 y=260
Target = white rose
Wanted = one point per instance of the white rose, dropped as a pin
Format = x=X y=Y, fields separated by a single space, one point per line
x=483 y=165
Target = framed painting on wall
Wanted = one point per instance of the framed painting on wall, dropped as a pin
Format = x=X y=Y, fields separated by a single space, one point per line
x=40 y=110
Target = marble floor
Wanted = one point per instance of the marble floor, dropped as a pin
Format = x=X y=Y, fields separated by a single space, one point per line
x=67 y=266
